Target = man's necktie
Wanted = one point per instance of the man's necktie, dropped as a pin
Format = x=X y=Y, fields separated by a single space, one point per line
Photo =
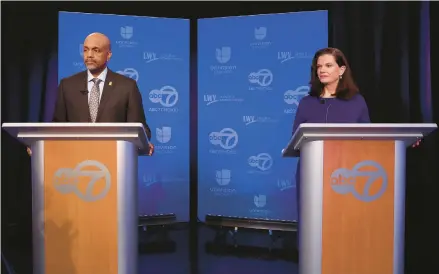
x=93 y=102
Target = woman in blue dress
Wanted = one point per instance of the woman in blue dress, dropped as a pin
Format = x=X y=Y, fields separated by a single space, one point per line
x=333 y=98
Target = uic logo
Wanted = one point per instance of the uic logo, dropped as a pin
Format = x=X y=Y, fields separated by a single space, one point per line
x=66 y=180
x=344 y=181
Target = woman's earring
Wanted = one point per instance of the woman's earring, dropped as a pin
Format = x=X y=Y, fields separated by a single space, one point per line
x=341 y=76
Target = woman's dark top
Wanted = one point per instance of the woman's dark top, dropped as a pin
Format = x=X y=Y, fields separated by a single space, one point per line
x=328 y=110
x=331 y=110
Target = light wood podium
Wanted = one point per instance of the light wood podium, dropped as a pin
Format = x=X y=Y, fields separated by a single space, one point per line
x=352 y=196
x=84 y=195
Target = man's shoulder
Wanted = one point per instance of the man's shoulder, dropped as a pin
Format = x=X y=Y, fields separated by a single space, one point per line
x=114 y=76
x=75 y=77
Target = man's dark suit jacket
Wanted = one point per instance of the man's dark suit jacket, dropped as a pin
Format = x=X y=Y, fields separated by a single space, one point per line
x=120 y=102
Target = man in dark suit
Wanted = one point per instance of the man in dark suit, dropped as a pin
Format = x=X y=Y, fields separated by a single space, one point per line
x=99 y=94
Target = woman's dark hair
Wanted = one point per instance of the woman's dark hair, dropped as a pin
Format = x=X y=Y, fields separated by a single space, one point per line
x=346 y=87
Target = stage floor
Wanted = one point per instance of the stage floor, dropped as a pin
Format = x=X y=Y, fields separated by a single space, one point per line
x=185 y=252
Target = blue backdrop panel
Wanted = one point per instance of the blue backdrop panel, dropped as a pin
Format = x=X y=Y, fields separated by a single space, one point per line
x=154 y=52
x=252 y=72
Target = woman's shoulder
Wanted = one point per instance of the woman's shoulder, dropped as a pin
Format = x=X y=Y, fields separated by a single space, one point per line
x=307 y=99
x=357 y=98
x=307 y=102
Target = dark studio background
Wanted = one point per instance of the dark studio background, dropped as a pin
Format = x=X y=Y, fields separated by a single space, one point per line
x=384 y=42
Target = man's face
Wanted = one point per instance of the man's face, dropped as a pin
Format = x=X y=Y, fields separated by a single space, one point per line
x=96 y=53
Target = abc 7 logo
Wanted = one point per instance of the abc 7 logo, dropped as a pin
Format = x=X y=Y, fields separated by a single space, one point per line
x=66 y=180
x=263 y=77
x=293 y=96
x=227 y=138
x=262 y=161
x=167 y=96
x=344 y=181
x=131 y=73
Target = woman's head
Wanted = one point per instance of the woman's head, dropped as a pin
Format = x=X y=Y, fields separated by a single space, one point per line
x=330 y=68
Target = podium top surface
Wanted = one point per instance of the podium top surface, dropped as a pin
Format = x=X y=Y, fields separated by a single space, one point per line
x=28 y=133
x=408 y=133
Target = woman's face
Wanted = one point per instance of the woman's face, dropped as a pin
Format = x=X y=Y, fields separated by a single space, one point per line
x=328 y=70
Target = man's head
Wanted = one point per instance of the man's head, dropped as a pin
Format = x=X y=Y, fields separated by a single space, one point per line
x=97 y=52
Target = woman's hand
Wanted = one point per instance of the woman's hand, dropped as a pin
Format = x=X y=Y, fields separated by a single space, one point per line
x=417 y=143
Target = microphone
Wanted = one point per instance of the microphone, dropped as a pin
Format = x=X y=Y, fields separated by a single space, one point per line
x=327 y=109
x=322 y=101
x=84 y=91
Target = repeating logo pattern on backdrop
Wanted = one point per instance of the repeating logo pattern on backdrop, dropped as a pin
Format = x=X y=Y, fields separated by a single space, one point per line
x=261 y=80
x=166 y=97
x=253 y=72
x=130 y=72
x=226 y=139
x=223 y=55
x=159 y=63
x=223 y=180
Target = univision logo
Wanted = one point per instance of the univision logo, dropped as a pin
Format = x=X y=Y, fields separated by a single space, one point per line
x=164 y=134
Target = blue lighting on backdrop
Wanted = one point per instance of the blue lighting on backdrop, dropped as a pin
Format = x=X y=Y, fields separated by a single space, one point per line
x=252 y=72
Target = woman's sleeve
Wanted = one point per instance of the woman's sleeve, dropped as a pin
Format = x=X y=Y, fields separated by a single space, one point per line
x=299 y=118
x=364 y=115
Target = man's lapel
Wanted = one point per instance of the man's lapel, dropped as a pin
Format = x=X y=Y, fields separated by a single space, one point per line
x=107 y=91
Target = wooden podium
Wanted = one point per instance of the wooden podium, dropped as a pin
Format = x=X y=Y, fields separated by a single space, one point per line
x=352 y=195
x=84 y=195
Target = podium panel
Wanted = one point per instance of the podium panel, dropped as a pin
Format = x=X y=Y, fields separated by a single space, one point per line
x=84 y=195
x=84 y=206
x=358 y=207
x=80 y=193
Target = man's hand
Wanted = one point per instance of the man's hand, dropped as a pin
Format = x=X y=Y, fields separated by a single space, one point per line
x=151 y=149
x=29 y=151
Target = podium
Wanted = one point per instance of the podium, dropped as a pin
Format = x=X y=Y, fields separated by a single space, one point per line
x=352 y=196
x=84 y=195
